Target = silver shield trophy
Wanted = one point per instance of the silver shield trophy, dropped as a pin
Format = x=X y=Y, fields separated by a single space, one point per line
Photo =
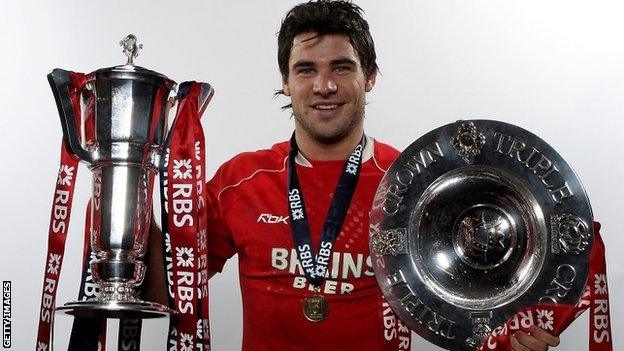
x=472 y=222
x=119 y=134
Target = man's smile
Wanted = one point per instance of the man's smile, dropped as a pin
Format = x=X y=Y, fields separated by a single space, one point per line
x=326 y=105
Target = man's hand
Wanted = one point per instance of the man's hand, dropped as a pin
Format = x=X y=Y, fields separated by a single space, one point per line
x=536 y=339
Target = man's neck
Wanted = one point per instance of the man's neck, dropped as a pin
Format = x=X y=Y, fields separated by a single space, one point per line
x=315 y=150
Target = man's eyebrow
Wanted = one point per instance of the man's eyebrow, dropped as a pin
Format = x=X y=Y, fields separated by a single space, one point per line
x=343 y=61
x=303 y=63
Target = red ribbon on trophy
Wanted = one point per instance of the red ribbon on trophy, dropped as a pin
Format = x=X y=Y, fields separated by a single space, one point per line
x=556 y=318
x=203 y=327
x=186 y=223
x=59 y=225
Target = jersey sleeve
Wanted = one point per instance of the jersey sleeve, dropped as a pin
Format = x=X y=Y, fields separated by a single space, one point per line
x=220 y=241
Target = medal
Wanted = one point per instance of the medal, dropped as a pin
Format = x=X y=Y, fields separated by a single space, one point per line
x=315 y=308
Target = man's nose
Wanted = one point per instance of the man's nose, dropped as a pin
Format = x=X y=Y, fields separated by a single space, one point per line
x=324 y=85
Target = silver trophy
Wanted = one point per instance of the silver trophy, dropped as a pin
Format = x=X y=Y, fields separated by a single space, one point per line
x=119 y=134
x=472 y=222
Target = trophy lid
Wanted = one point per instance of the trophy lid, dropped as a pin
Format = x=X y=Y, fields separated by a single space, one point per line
x=129 y=70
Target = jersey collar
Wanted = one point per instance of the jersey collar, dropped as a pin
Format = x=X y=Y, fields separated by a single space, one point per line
x=366 y=154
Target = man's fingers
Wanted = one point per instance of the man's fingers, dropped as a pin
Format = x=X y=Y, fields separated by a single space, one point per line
x=516 y=346
x=530 y=342
x=544 y=336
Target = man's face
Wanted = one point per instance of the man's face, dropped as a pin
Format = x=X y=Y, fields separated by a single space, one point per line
x=327 y=86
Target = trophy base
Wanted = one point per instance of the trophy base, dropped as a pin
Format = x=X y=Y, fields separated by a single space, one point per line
x=115 y=309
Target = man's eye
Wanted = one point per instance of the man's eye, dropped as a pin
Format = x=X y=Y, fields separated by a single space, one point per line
x=341 y=69
x=306 y=71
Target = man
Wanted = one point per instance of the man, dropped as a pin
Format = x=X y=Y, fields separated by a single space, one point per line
x=280 y=208
x=327 y=60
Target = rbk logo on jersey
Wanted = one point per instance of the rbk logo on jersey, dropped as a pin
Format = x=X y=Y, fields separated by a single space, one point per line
x=272 y=219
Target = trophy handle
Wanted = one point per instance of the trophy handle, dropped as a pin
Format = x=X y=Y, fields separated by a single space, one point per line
x=60 y=82
x=204 y=97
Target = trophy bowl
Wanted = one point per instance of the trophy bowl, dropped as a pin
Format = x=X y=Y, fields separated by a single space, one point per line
x=472 y=222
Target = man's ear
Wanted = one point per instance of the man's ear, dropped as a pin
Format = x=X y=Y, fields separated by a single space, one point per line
x=285 y=87
x=370 y=81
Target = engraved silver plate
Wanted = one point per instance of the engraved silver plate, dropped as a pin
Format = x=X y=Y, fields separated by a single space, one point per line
x=473 y=221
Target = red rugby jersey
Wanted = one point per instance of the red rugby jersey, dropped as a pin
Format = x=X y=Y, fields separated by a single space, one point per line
x=248 y=216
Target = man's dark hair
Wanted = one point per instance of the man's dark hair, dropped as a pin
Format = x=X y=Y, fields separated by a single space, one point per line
x=327 y=17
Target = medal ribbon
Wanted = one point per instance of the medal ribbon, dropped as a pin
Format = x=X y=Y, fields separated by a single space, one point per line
x=556 y=318
x=59 y=222
x=315 y=267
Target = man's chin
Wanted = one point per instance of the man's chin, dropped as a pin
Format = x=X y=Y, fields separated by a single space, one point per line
x=330 y=138
x=328 y=132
